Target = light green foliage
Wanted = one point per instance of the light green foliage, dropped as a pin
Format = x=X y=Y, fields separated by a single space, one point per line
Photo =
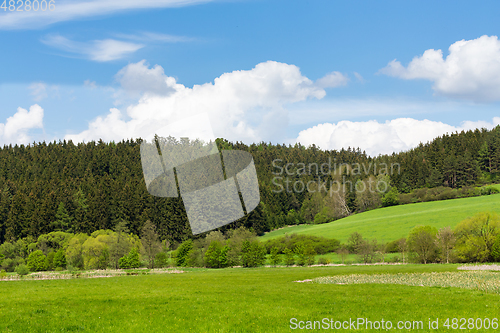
x=391 y=198
x=422 y=242
x=74 y=251
x=131 y=260
x=253 y=254
x=36 y=261
x=476 y=236
x=95 y=252
x=391 y=223
x=182 y=253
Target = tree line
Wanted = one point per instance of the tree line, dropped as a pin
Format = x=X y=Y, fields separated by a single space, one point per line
x=85 y=187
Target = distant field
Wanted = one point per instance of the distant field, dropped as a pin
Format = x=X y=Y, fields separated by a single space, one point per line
x=391 y=223
x=230 y=300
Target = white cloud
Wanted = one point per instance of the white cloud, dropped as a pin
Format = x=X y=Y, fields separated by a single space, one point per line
x=152 y=37
x=382 y=138
x=138 y=78
x=96 y=50
x=16 y=128
x=242 y=105
x=67 y=10
x=40 y=91
x=470 y=71
x=332 y=80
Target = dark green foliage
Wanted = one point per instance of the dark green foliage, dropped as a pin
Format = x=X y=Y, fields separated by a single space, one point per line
x=60 y=259
x=289 y=257
x=182 y=253
x=161 y=260
x=392 y=247
x=275 y=257
x=150 y=242
x=22 y=270
x=253 y=254
x=216 y=255
x=131 y=260
x=36 y=261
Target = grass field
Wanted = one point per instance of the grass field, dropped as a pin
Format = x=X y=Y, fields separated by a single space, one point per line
x=229 y=300
x=391 y=223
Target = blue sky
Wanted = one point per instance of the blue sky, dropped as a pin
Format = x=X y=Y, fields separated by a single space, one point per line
x=281 y=71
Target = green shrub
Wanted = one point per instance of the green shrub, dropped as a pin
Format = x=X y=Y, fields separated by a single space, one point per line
x=320 y=245
x=289 y=257
x=60 y=259
x=216 y=255
x=275 y=256
x=253 y=254
x=182 y=253
x=131 y=260
x=161 y=260
x=323 y=261
x=37 y=261
x=22 y=270
x=3 y=273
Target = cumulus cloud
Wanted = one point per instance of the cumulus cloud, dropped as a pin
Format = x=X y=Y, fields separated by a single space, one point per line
x=382 y=138
x=139 y=78
x=96 y=50
x=470 y=71
x=16 y=128
x=67 y=10
x=242 y=105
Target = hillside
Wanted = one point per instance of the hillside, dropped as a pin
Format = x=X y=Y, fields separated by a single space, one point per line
x=391 y=223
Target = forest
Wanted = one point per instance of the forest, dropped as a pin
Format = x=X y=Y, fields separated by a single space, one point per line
x=85 y=187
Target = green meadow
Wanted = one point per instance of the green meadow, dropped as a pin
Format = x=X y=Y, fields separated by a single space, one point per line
x=391 y=223
x=230 y=300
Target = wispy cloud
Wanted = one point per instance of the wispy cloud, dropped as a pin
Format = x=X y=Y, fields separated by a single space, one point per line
x=96 y=50
x=153 y=37
x=66 y=10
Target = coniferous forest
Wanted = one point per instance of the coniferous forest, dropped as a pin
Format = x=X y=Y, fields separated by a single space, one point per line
x=81 y=188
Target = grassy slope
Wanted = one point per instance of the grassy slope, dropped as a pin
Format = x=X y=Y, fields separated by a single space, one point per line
x=228 y=300
x=390 y=223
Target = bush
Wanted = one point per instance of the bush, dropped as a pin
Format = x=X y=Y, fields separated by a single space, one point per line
x=253 y=254
x=391 y=198
x=275 y=256
x=3 y=273
x=59 y=259
x=215 y=257
x=37 y=261
x=289 y=257
x=131 y=260
x=22 y=270
x=182 y=253
x=323 y=261
x=320 y=245
x=161 y=260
